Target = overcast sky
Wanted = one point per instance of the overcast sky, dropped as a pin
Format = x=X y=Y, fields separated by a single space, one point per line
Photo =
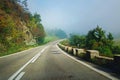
x=78 y=16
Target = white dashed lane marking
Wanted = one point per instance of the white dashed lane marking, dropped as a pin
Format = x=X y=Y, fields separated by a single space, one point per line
x=20 y=76
x=17 y=73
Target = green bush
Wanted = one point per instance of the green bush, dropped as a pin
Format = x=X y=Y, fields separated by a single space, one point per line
x=116 y=49
x=77 y=40
x=105 y=51
x=96 y=39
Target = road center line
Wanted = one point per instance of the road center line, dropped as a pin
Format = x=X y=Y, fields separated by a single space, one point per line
x=38 y=55
x=20 y=76
x=17 y=72
x=90 y=67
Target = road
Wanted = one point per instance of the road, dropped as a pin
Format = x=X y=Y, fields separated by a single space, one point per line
x=45 y=62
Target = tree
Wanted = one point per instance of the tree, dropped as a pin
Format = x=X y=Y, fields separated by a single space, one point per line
x=97 y=39
x=37 y=28
x=15 y=20
x=77 y=40
x=41 y=34
x=110 y=37
x=24 y=2
x=37 y=18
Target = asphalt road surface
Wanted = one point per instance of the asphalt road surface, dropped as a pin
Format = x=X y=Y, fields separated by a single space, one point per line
x=45 y=62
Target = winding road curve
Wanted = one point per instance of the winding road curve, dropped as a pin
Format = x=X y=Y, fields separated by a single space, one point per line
x=45 y=62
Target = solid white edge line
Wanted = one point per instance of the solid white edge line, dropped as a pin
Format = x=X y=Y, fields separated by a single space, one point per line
x=92 y=68
x=20 y=76
x=17 y=72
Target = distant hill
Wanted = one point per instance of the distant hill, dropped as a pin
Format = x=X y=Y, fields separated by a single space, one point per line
x=59 y=33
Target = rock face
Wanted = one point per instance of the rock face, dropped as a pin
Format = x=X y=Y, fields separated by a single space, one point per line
x=28 y=37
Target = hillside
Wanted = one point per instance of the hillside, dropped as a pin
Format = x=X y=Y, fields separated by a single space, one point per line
x=18 y=27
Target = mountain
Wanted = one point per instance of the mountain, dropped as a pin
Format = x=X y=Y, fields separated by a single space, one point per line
x=59 y=33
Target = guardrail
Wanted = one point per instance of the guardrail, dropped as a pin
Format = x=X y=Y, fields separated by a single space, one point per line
x=93 y=56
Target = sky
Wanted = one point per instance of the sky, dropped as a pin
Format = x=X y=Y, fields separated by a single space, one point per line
x=78 y=16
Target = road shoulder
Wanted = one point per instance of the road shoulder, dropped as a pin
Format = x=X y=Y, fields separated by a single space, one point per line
x=106 y=74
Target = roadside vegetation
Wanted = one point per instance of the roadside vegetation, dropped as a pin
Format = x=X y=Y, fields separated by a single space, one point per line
x=19 y=29
x=96 y=39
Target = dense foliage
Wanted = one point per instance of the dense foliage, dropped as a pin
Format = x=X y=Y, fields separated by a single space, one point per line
x=96 y=39
x=36 y=28
x=77 y=40
x=18 y=26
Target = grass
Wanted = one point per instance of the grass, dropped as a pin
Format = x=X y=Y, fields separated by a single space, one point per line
x=18 y=48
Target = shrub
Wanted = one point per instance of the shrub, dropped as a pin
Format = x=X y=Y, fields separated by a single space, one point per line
x=77 y=40
x=105 y=51
x=99 y=40
x=116 y=49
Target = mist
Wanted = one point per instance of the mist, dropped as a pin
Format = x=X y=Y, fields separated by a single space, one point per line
x=78 y=16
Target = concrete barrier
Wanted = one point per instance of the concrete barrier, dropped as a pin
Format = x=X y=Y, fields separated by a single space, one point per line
x=75 y=51
x=79 y=51
x=93 y=55
x=90 y=54
x=70 y=50
x=61 y=46
x=66 y=48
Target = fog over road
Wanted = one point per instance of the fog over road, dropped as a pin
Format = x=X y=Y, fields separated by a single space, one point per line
x=45 y=62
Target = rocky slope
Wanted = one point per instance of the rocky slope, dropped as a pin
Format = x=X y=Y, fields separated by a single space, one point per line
x=18 y=26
